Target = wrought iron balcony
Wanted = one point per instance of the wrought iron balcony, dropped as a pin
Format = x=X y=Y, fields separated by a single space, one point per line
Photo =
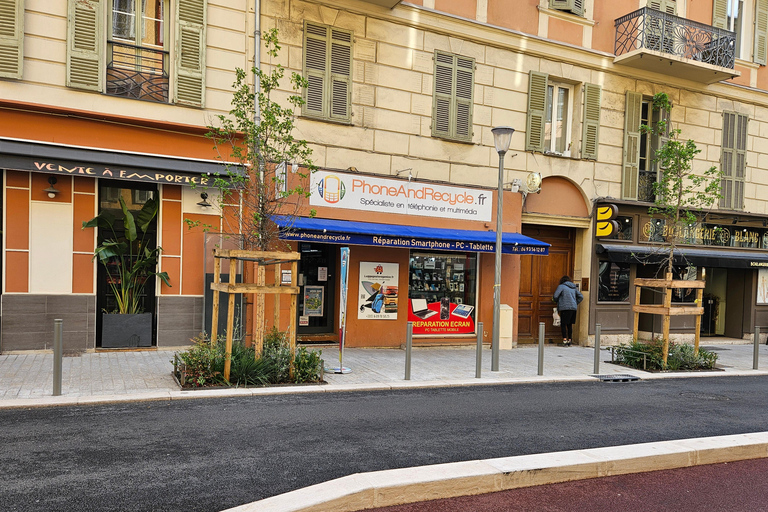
x=656 y=41
x=137 y=72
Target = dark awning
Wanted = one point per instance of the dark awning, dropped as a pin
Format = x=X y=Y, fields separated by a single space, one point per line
x=408 y=237
x=24 y=155
x=726 y=258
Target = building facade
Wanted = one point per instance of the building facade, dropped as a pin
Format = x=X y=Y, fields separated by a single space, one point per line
x=400 y=94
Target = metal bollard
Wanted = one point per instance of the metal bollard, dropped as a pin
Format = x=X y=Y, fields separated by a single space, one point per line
x=596 y=369
x=541 y=348
x=408 y=348
x=756 y=348
x=479 y=358
x=58 y=353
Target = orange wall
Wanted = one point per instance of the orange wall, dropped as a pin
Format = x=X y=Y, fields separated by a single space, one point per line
x=604 y=32
x=84 y=209
x=463 y=8
x=17 y=232
x=700 y=11
x=524 y=17
x=565 y=31
x=192 y=246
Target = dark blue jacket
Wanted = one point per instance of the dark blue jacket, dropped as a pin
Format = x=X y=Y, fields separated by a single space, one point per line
x=567 y=297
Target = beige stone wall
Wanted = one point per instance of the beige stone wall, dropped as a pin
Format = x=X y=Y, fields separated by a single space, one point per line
x=392 y=100
x=229 y=45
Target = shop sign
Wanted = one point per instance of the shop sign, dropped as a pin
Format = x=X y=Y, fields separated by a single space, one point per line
x=441 y=317
x=378 y=291
x=656 y=230
x=93 y=170
x=380 y=195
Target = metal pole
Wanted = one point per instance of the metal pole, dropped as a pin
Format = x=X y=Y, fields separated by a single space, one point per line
x=408 y=347
x=598 y=327
x=497 y=267
x=479 y=358
x=541 y=348
x=58 y=352
x=756 y=348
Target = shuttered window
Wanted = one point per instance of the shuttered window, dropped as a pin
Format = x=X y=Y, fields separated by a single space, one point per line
x=572 y=6
x=591 y=124
x=667 y=6
x=11 y=38
x=328 y=69
x=189 y=87
x=761 y=32
x=631 y=159
x=537 y=105
x=733 y=160
x=452 y=101
x=85 y=62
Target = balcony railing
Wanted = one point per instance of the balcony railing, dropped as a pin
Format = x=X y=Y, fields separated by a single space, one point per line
x=137 y=72
x=654 y=30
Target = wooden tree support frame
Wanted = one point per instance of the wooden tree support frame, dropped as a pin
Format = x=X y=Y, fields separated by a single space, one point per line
x=667 y=309
x=263 y=258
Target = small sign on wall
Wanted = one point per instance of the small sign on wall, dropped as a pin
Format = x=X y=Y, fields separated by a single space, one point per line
x=322 y=273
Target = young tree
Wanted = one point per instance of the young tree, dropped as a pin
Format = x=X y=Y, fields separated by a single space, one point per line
x=257 y=134
x=680 y=192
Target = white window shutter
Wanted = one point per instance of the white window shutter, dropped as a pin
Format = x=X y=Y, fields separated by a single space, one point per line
x=720 y=13
x=85 y=60
x=11 y=38
x=189 y=85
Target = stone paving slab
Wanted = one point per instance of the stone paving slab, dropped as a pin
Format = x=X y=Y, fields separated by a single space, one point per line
x=97 y=377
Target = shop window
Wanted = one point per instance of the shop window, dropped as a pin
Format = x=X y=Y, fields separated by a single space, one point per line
x=442 y=286
x=625 y=229
x=685 y=273
x=613 y=282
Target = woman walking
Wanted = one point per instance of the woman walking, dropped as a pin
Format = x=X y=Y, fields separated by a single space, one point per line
x=568 y=297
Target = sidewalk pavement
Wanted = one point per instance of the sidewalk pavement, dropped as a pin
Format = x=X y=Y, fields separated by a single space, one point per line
x=26 y=380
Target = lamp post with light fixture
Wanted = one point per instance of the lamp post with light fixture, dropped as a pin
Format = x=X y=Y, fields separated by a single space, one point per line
x=502 y=136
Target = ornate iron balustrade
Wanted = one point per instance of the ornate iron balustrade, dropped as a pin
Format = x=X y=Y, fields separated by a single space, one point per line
x=137 y=72
x=654 y=30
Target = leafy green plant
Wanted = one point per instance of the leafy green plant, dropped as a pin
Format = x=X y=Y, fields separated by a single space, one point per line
x=681 y=356
x=204 y=362
x=307 y=365
x=278 y=353
x=130 y=257
x=246 y=369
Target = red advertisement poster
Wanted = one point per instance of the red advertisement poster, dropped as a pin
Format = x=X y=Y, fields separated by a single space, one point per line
x=442 y=317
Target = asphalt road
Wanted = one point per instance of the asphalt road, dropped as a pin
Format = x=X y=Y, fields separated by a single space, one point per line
x=211 y=454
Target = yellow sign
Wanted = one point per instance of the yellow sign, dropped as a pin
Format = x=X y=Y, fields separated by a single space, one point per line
x=606 y=226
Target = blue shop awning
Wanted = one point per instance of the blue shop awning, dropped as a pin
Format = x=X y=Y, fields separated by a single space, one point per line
x=407 y=237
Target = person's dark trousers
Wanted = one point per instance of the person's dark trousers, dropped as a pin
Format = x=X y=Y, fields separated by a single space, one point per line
x=567 y=319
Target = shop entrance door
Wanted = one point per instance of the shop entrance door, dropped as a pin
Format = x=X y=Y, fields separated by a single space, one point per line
x=539 y=277
x=124 y=331
x=317 y=278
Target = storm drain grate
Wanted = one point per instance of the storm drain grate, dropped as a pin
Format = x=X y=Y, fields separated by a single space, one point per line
x=616 y=378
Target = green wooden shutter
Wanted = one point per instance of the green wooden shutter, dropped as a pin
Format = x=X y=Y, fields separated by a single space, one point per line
x=537 y=105
x=11 y=38
x=315 y=69
x=631 y=162
x=189 y=86
x=733 y=160
x=572 y=6
x=761 y=32
x=465 y=85
x=85 y=62
x=667 y=6
x=443 y=95
x=591 y=127
x=341 y=74
x=720 y=13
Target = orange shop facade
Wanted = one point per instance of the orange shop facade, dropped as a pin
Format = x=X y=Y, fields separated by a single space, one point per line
x=53 y=182
x=418 y=251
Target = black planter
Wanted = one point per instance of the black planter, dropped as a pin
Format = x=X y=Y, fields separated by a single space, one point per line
x=126 y=331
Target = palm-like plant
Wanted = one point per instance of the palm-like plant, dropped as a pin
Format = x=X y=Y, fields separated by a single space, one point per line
x=132 y=257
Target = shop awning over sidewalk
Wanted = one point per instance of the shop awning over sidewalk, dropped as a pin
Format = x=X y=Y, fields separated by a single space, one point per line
x=406 y=237
x=724 y=258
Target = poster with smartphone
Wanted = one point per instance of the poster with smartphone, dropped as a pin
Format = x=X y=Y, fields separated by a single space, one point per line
x=378 y=291
x=440 y=317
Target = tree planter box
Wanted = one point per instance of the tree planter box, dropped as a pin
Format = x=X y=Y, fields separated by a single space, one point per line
x=126 y=331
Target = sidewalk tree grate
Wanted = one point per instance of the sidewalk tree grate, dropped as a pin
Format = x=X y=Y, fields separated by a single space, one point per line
x=616 y=378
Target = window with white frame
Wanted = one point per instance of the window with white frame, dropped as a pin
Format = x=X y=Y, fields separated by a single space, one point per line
x=557 y=128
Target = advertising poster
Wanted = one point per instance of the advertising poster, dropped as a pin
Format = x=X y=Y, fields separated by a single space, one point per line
x=313 y=300
x=378 y=291
x=441 y=317
x=762 y=286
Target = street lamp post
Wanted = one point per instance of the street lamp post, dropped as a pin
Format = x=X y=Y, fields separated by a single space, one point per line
x=502 y=136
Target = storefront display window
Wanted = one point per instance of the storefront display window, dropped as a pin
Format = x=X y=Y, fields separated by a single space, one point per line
x=442 y=293
x=625 y=229
x=686 y=274
x=613 y=282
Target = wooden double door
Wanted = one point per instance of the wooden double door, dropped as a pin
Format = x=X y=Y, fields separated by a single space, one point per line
x=539 y=277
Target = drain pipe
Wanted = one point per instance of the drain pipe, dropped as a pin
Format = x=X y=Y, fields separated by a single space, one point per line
x=256 y=61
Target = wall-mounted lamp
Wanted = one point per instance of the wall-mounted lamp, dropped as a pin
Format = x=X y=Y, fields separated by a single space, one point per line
x=51 y=190
x=204 y=203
